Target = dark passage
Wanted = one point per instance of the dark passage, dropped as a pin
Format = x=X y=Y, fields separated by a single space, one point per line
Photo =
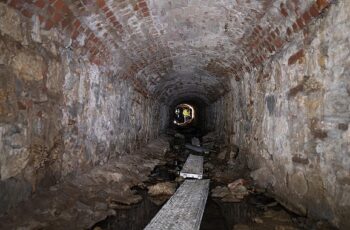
x=102 y=101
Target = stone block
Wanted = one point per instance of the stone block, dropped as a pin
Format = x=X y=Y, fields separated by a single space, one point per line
x=10 y=22
x=28 y=66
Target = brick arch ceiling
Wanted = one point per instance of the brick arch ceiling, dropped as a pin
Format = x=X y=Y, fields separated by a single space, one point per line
x=168 y=48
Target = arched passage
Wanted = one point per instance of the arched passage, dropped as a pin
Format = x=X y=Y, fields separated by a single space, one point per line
x=86 y=83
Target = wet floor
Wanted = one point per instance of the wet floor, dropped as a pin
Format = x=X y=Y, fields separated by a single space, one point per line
x=133 y=217
x=255 y=211
x=217 y=216
x=222 y=216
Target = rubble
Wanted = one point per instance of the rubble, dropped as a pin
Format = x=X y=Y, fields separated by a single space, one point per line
x=232 y=186
x=233 y=192
x=197 y=149
x=164 y=188
x=86 y=198
x=208 y=141
x=195 y=141
x=258 y=220
x=222 y=155
x=220 y=192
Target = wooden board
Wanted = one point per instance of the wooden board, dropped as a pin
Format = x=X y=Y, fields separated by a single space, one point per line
x=193 y=167
x=184 y=210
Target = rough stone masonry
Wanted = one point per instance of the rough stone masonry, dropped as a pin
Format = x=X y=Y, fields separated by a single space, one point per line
x=82 y=82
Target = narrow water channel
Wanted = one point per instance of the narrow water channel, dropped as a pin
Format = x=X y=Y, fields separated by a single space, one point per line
x=255 y=211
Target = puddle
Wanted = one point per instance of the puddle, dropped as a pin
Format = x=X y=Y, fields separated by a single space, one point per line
x=166 y=172
x=218 y=215
x=133 y=217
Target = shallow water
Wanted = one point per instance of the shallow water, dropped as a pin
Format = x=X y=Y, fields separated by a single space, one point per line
x=133 y=217
x=217 y=216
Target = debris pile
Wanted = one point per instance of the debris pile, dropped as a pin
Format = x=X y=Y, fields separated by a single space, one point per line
x=163 y=188
x=233 y=192
x=208 y=141
x=86 y=198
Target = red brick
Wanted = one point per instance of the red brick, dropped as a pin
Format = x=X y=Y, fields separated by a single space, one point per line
x=95 y=40
x=65 y=9
x=109 y=14
x=96 y=60
x=76 y=24
x=16 y=4
x=120 y=29
x=284 y=12
x=314 y=11
x=48 y=24
x=296 y=57
x=50 y=11
x=59 y=5
x=278 y=43
x=142 y=4
x=69 y=29
x=256 y=30
x=74 y=34
x=277 y=31
x=41 y=19
x=89 y=35
x=56 y=18
x=94 y=51
x=40 y=3
x=27 y=13
x=65 y=22
x=306 y=17
x=295 y=27
x=105 y=9
x=145 y=13
x=300 y=22
x=101 y=3
x=322 y=4
x=270 y=49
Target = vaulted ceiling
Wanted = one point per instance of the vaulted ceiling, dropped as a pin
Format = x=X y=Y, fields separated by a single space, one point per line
x=171 y=48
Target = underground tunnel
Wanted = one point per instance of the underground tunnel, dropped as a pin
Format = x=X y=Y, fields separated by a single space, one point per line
x=90 y=135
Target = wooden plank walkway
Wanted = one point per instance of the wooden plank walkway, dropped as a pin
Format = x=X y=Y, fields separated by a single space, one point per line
x=184 y=210
x=193 y=167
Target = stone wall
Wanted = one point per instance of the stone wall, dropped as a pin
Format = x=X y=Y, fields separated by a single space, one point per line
x=291 y=117
x=60 y=113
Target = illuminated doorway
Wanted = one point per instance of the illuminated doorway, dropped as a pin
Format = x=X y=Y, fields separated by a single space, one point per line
x=184 y=114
